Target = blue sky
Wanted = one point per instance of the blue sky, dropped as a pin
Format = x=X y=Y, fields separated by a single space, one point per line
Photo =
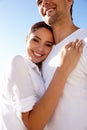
x=16 y=16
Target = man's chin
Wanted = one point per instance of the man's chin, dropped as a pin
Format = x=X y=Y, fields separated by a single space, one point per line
x=48 y=20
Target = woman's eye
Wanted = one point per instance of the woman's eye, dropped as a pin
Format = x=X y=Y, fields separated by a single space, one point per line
x=49 y=45
x=35 y=40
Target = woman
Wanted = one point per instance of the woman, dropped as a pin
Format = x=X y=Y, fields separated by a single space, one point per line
x=26 y=100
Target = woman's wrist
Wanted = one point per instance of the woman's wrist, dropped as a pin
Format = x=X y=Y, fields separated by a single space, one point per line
x=64 y=71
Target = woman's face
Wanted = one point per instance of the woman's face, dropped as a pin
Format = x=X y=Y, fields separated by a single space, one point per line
x=39 y=44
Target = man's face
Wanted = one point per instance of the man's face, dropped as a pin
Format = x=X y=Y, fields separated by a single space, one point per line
x=54 y=10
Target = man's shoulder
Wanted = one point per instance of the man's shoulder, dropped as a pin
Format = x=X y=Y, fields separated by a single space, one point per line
x=78 y=34
x=83 y=30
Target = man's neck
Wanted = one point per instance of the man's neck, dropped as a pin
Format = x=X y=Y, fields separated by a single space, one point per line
x=61 y=31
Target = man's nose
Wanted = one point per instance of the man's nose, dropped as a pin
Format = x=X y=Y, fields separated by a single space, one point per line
x=45 y=2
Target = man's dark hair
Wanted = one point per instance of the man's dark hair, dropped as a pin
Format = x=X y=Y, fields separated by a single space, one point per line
x=71 y=10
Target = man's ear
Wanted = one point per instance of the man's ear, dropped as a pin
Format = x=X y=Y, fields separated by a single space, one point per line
x=70 y=1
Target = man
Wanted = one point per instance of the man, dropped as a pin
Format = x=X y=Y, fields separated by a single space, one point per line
x=70 y=113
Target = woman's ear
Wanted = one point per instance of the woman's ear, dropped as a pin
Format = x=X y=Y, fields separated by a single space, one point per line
x=27 y=37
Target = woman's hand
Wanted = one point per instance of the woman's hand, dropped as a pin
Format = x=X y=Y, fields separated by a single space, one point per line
x=37 y=118
x=70 y=55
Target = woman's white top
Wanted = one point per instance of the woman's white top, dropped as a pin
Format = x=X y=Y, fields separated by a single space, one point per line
x=21 y=89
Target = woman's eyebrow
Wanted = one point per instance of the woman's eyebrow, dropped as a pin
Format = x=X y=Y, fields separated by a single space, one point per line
x=37 y=37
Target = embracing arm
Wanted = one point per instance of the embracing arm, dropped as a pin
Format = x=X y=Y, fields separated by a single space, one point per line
x=37 y=118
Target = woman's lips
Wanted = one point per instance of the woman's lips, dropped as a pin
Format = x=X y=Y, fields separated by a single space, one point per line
x=37 y=54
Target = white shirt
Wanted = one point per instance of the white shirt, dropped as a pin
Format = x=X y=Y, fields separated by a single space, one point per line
x=71 y=112
x=22 y=88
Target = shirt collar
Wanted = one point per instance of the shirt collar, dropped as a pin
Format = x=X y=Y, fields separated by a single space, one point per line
x=33 y=65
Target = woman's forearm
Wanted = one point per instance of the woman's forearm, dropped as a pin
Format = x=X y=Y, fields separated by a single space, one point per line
x=45 y=107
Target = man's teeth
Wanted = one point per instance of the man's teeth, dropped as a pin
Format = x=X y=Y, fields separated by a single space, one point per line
x=49 y=11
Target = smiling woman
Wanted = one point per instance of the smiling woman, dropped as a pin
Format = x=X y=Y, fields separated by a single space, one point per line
x=17 y=24
x=13 y=28
x=23 y=73
x=39 y=45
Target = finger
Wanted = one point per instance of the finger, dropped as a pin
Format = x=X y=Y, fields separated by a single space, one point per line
x=74 y=44
x=78 y=42
x=68 y=45
x=79 y=45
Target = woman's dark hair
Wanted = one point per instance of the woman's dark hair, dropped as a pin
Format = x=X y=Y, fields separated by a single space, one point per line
x=38 y=25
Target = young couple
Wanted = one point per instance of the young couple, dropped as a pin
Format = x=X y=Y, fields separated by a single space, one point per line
x=31 y=104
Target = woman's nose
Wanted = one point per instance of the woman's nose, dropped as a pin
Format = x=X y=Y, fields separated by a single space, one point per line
x=40 y=48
